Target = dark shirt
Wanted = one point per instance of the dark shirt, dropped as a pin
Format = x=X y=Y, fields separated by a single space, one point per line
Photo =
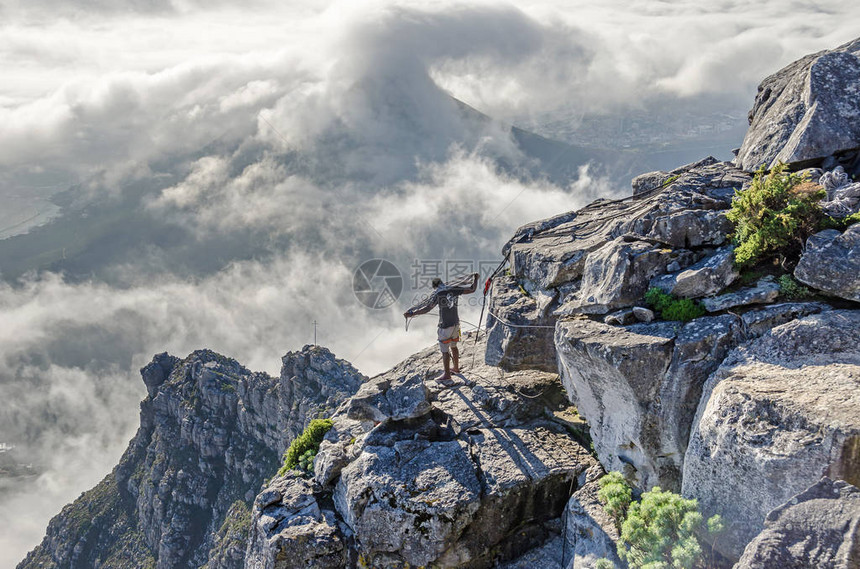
x=445 y=297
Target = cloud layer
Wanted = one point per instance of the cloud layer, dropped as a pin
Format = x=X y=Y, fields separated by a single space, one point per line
x=268 y=151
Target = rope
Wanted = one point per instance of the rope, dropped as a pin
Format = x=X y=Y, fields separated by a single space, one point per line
x=511 y=325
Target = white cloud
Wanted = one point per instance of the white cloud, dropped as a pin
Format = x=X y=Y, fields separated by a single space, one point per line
x=327 y=130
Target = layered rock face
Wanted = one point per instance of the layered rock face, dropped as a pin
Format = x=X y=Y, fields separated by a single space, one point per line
x=639 y=388
x=820 y=527
x=211 y=431
x=605 y=256
x=420 y=474
x=741 y=408
x=806 y=112
x=781 y=412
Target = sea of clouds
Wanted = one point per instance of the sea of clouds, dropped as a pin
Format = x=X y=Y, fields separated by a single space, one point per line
x=282 y=144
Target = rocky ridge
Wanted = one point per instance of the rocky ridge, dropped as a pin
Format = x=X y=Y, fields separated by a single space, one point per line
x=211 y=431
x=746 y=408
x=741 y=408
x=415 y=473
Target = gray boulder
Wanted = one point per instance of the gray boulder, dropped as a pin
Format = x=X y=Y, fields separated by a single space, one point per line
x=820 y=527
x=650 y=181
x=766 y=290
x=378 y=400
x=519 y=331
x=709 y=276
x=779 y=413
x=806 y=111
x=591 y=532
x=617 y=274
x=638 y=387
x=472 y=475
x=831 y=263
x=292 y=531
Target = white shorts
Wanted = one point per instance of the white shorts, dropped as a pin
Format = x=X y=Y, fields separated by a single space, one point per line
x=448 y=336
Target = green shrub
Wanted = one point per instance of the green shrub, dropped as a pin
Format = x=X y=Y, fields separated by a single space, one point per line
x=304 y=448
x=604 y=563
x=671 y=308
x=791 y=289
x=660 y=532
x=774 y=216
x=616 y=496
x=841 y=224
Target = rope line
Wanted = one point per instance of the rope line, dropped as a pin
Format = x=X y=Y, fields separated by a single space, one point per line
x=512 y=325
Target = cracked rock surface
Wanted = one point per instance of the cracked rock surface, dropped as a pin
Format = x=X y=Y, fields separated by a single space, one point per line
x=460 y=476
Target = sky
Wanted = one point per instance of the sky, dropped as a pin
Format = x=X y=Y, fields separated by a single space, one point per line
x=268 y=149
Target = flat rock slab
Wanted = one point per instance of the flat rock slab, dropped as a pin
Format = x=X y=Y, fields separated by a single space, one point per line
x=765 y=291
x=820 y=527
x=780 y=412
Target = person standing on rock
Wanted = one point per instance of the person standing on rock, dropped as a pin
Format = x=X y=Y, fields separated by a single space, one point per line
x=445 y=297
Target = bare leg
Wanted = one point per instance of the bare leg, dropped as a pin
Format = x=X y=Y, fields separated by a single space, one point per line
x=455 y=352
x=446 y=361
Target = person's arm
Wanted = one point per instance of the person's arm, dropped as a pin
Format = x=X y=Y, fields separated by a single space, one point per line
x=422 y=307
x=474 y=286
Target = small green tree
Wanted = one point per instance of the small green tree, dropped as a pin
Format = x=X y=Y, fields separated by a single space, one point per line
x=616 y=496
x=774 y=216
x=660 y=532
x=304 y=448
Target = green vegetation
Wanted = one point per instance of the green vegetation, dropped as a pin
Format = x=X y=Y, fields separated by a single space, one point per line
x=672 y=308
x=604 y=564
x=669 y=180
x=659 y=531
x=791 y=289
x=616 y=494
x=774 y=216
x=304 y=448
x=841 y=224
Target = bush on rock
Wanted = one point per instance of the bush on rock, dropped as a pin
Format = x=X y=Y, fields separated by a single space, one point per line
x=774 y=216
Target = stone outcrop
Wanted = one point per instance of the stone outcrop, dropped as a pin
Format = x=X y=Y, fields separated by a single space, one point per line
x=639 y=386
x=709 y=276
x=604 y=257
x=414 y=472
x=807 y=111
x=211 y=431
x=779 y=413
x=521 y=336
x=291 y=530
x=766 y=290
x=591 y=532
x=820 y=527
x=831 y=263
